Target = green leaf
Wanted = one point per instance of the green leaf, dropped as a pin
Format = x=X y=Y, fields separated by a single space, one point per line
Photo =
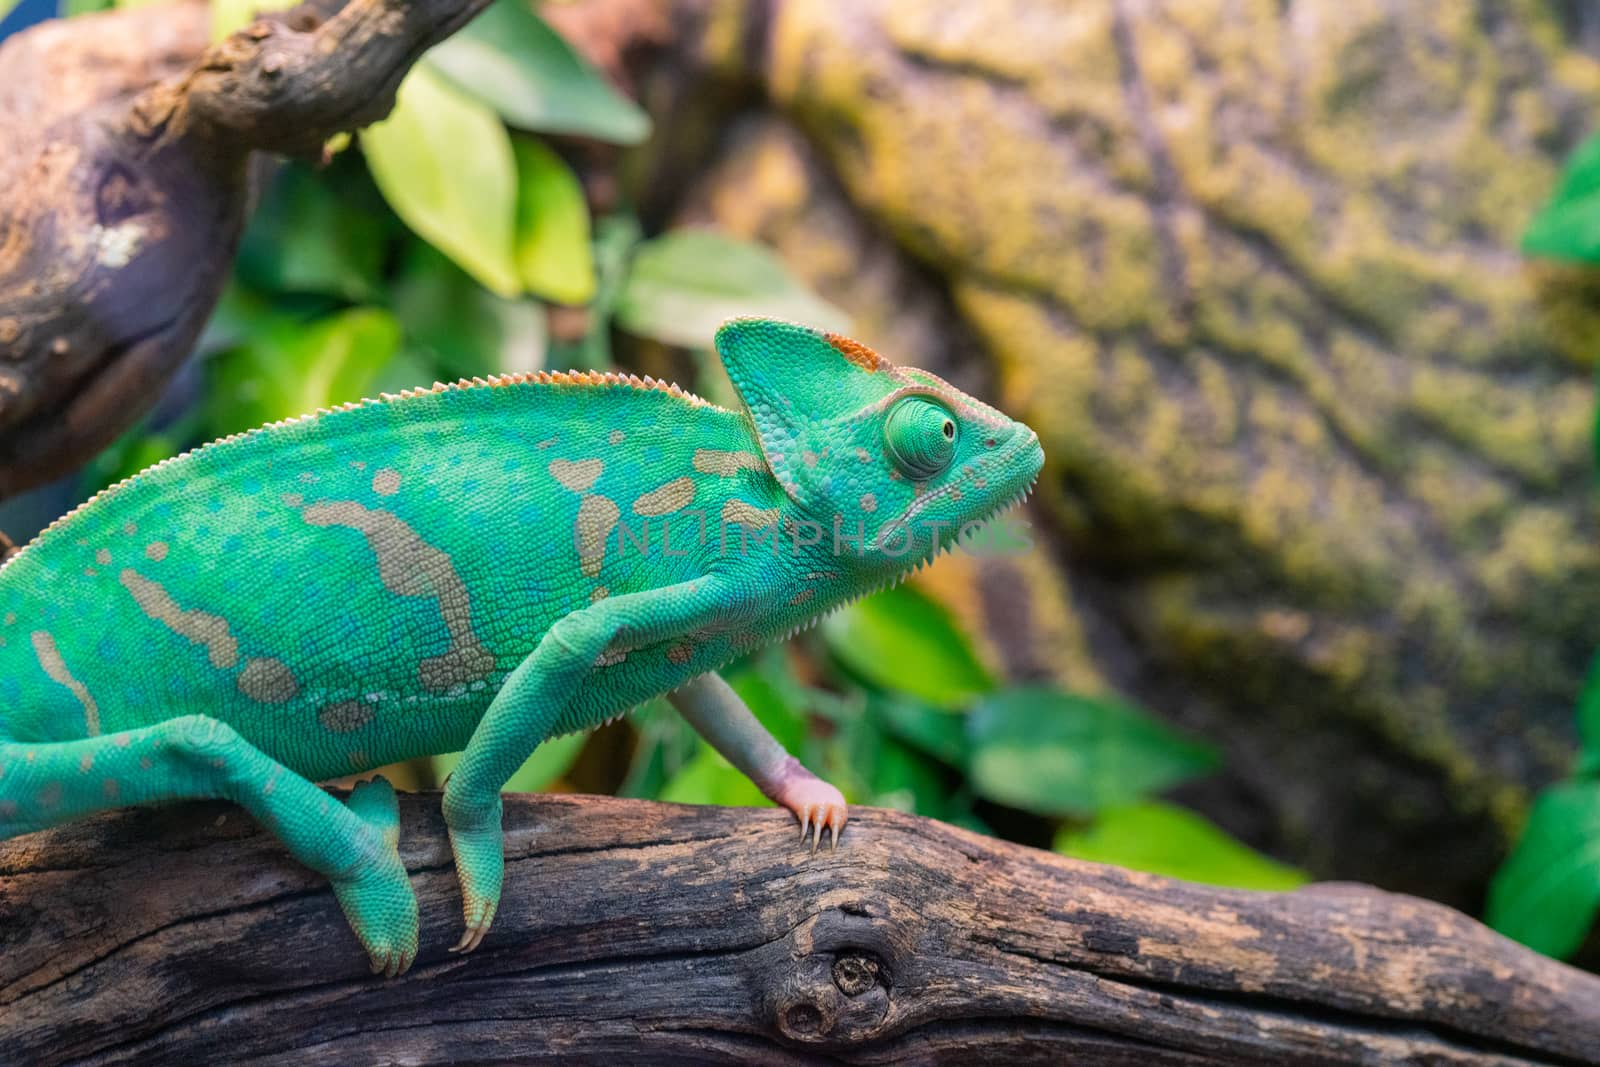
x=1548 y=890
x=70 y=8
x=553 y=252
x=1589 y=723
x=904 y=779
x=1173 y=841
x=511 y=60
x=309 y=237
x=444 y=163
x=549 y=761
x=1568 y=227
x=932 y=730
x=710 y=779
x=1056 y=753
x=230 y=15
x=6 y=6
x=457 y=327
x=902 y=641
x=665 y=746
x=683 y=285
x=783 y=722
x=288 y=369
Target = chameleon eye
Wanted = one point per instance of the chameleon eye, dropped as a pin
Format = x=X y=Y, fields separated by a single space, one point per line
x=921 y=437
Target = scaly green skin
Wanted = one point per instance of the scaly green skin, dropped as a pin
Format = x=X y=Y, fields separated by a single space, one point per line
x=483 y=565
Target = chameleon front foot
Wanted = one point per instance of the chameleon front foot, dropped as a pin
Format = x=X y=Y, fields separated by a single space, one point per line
x=814 y=802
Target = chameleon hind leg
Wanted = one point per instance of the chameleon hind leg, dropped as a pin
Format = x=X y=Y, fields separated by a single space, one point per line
x=195 y=757
x=719 y=715
x=535 y=703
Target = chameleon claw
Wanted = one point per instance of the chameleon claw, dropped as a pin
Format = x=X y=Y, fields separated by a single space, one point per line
x=817 y=805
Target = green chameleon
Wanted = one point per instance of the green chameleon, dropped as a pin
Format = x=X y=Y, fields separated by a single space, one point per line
x=482 y=566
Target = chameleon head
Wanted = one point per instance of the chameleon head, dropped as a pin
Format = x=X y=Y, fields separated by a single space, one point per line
x=893 y=462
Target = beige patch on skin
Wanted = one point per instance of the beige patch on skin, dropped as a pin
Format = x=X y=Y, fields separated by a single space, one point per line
x=599 y=593
x=597 y=517
x=680 y=653
x=809 y=458
x=292 y=500
x=202 y=627
x=801 y=597
x=268 y=680
x=129 y=528
x=863 y=455
x=546 y=443
x=409 y=566
x=579 y=476
x=674 y=496
x=90 y=572
x=611 y=657
x=386 y=482
x=156 y=550
x=49 y=795
x=110 y=788
x=869 y=502
x=616 y=437
x=725 y=464
x=11 y=617
x=103 y=557
x=85 y=763
x=747 y=514
x=345 y=717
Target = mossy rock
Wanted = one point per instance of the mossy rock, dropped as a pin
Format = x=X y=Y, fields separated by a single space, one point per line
x=1317 y=436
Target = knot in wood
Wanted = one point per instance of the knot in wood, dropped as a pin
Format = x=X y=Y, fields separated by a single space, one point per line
x=830 y=978
x=855 y=973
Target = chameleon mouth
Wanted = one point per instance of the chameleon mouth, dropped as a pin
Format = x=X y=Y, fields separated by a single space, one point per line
x=995 y=468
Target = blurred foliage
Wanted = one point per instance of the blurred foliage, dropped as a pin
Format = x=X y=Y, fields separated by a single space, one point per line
x=431 y=249
x=1568 y=227
x=1547 y=892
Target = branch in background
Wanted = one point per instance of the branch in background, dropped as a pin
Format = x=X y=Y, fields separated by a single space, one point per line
x=125 y=186
x=653 y=933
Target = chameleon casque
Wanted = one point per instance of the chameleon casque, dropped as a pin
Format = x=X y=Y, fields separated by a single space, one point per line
x=482 y=566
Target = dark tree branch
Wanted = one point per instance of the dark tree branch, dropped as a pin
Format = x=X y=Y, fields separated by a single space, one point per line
x=648 y=933
x=124 y=187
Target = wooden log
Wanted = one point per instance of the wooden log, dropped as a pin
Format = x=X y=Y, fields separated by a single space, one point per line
x=634 y=932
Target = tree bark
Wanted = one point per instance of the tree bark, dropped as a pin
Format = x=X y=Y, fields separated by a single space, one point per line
x=124 y=188
x=650 y=933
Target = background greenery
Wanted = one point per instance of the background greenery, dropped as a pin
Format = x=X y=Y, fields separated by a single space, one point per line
x=1548 y=891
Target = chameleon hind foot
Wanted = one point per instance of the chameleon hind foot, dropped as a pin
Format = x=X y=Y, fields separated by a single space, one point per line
x=374 y=802
x=378 y=899
x=479 y=850
x=818 y=805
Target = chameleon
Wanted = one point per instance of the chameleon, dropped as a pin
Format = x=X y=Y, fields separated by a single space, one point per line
x=482 y=566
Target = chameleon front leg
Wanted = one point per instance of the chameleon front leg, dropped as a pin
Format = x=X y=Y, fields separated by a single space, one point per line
x=718 y=714
x=534 y=703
